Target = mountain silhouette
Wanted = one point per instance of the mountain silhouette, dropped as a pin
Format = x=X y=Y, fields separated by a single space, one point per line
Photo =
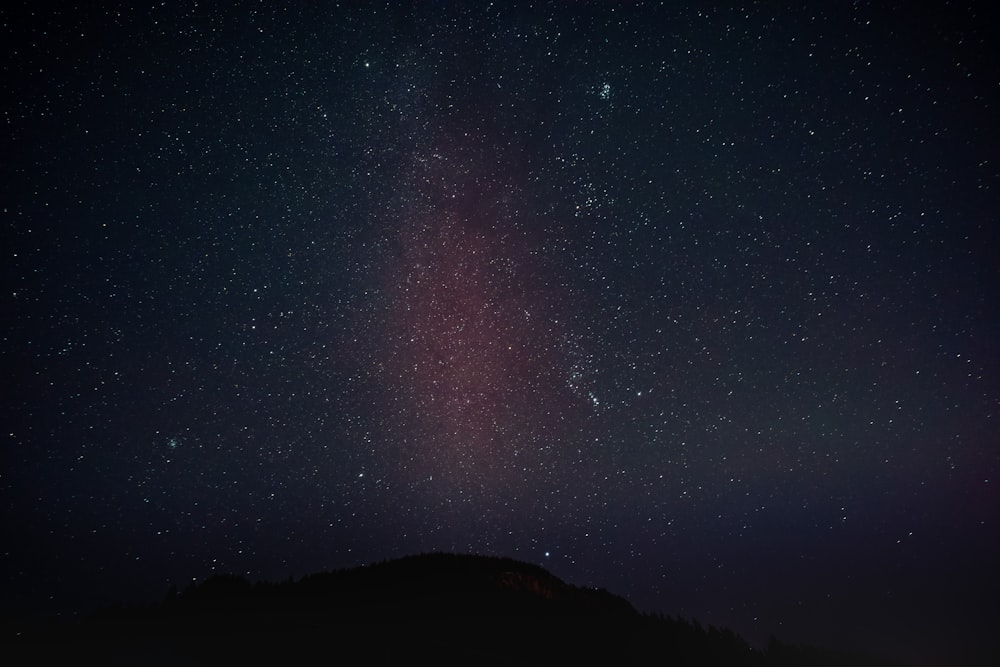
x=437 y=608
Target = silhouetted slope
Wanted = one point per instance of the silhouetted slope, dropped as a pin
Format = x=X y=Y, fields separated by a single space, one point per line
x=441 y=608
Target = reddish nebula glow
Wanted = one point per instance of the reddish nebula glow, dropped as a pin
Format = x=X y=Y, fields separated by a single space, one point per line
x=470 y=335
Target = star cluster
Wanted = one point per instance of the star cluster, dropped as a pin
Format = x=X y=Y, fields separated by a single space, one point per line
x=695 y=304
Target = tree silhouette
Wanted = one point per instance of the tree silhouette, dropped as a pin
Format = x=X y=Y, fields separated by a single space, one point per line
x=443 y=607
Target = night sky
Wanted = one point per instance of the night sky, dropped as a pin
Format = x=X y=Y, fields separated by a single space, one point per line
x=696 y=304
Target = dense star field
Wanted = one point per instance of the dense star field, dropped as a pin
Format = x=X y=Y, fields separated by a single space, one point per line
x=693 y=303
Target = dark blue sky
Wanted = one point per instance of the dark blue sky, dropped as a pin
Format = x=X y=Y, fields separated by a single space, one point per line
x=695 y=304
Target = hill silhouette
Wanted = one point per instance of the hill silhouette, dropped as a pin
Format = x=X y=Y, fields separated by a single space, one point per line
x=441 y=608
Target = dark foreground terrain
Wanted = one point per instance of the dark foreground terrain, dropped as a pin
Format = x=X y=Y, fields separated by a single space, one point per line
x=436 y=608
